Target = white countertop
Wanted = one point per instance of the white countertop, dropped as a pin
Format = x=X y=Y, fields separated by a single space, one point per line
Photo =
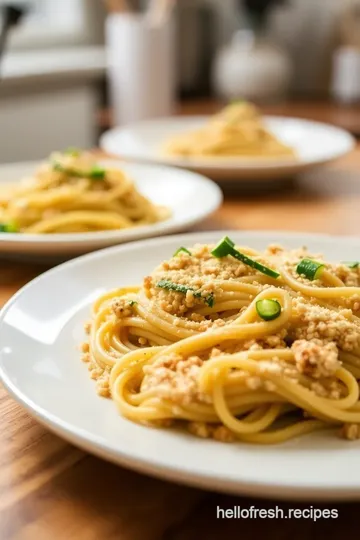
x=75 y=62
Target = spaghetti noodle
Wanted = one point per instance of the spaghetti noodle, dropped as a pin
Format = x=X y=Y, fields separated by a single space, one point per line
x=260 y=347
x=72 y=193
x=238 y=130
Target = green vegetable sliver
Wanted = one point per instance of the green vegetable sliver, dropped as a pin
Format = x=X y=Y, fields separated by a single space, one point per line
x=72 y=151
x=95 y=173
x=310 y=269
x=182 y=249
x=10 y=227
x=226 y=247
x=170 y=286
x=268 y=309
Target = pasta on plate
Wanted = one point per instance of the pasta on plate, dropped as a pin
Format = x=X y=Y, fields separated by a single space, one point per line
x=236 y=131
x=72 y=193
x=234 y=344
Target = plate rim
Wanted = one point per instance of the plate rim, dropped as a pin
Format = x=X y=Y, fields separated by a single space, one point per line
x=232 y=164
x=146 y=231
x=91 y=443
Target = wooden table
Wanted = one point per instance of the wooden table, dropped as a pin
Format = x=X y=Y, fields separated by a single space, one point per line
x=344 y=116
x=51 y=490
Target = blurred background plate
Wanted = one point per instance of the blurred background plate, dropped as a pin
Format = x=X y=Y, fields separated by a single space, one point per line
x=179 y=190
x=315 y=143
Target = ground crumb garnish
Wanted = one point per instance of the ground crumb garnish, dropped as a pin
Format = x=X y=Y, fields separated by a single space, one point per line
x=350 y=432
x=87 y=327
x=223 y=434
x=200 y=429
x=85 y=347
x=315 y=358
x=316 y=336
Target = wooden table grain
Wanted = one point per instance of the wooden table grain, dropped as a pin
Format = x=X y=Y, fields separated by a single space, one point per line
x=341 y=115
x=51 y=490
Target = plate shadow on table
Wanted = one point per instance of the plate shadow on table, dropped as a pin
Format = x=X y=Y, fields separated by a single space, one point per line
x=318 y=183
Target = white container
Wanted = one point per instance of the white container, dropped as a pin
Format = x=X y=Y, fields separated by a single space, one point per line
x=346 y=75
x=252 y=69
x=140 y=59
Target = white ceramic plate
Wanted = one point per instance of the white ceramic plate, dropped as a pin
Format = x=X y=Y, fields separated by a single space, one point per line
x=42 y=326
x=314 y=142
x=177 y=189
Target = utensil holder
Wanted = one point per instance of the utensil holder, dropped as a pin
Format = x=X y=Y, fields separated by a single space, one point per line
x=140 y=67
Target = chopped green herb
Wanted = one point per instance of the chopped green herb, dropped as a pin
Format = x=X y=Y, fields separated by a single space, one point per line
x=223 y=248
x=180 y=250
x=229 y=241
x=310 y=269
x=226 y=247
x=268 y=309
x=170 y=286
x=10 y=227
x=72 y=151
x=132 y=303
x=351 y=264
x=65 y=170
x=96 y=172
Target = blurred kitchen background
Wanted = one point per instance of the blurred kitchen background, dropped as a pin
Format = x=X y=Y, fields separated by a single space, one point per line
x=66 y=75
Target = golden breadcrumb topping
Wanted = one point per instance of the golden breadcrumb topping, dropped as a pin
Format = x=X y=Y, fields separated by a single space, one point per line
x=315 y=358
x=318 y=333
x=122 y=308
x=350 y=276
x=350 y=432
x=318 y=322
x=206 y=431
x=175 y=378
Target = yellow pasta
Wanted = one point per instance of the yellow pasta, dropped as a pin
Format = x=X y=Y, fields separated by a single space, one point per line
x=241 y=345
x=238 y=130
x=72 y=193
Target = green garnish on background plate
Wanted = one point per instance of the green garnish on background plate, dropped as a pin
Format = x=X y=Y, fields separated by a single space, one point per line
x=72 y=151
x=95 y=173
x=10 y=227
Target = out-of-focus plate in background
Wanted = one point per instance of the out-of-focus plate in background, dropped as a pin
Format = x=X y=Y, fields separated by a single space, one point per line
x=315 y=144
x=190 y=197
